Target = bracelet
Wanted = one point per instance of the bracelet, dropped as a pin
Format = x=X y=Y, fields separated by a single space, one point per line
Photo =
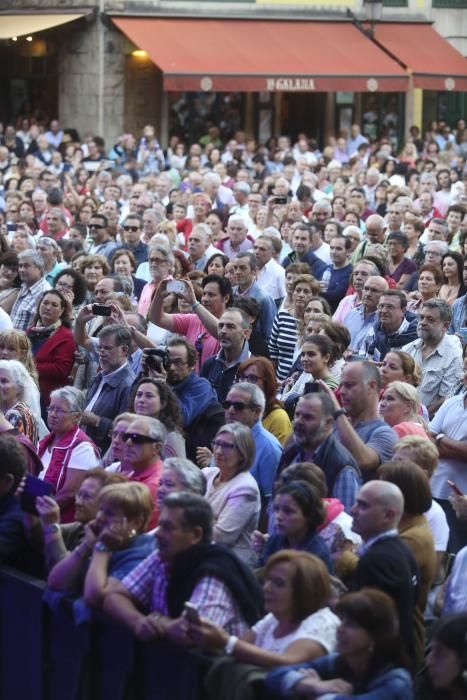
x=51 y=529
x=230 y=645
x=195 y=305
x=339 y=412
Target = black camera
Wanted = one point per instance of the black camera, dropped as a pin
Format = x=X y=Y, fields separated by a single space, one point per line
x=157 y=359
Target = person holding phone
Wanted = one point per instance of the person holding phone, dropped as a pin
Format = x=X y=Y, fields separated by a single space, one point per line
x=53 y=345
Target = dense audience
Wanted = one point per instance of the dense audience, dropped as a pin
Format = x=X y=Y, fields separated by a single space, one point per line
x=233 y=399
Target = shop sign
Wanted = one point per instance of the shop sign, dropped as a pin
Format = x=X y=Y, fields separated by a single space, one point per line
x=290 y=84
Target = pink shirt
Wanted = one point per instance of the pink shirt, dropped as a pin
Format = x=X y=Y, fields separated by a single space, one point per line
x=345 y=307
x=191 y=327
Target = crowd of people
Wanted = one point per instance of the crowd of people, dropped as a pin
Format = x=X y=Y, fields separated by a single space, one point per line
x=234 y=379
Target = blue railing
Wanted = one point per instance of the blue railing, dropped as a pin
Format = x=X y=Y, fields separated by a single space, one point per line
x=45 y=656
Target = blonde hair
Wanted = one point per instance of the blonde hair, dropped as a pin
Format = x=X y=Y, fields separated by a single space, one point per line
x=133 y=498
x=422 y=452
x=20 y=343
x=407 y=392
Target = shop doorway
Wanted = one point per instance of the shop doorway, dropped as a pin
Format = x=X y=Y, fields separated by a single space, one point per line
x=303 y=113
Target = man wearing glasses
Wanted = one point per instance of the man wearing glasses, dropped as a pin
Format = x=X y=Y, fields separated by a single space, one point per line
x=396 y=326
x=102 y=243
x=132 y=230
x=143 y=444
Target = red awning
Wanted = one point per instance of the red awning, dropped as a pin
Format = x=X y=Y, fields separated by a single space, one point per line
x=255 y=55
x=434 y=63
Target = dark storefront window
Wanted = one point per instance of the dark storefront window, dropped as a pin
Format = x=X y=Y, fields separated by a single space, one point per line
x=192 y=113
x=382 y=116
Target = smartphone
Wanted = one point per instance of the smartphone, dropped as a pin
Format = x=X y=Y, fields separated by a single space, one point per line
x=192 y=613
x=33 y=488
x=312 y=388
x=463 y=333
x=176 y=286
x=280 y=200
x=101 y=310
x=455 y=488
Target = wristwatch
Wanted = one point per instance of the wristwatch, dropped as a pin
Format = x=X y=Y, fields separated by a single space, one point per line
x=101 y=547
x=339 y=412
x=53 y=527
x=439 y=437
x=230 y=645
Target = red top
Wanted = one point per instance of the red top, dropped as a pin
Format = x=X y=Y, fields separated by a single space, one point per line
x=151 y=477
x=54 y=361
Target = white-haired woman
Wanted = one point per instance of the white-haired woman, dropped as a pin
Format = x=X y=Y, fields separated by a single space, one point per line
x=66 y=452
x=400 y=408
x=179 y=474
x=19 y=399
x=232 y=491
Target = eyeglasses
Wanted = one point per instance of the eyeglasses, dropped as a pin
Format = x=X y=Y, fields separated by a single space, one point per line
x=237 y=405
x=133 y=229
x=178 y=362
x=96 y=226
x=58 y=411
x=118 y=434
x=63 y=285
x=84 y=497
x=138 y=439
x=250 y=378
x=223 y=446
x=156 y=261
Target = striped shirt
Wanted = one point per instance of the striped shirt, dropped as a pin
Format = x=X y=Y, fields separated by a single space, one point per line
x=282 y=343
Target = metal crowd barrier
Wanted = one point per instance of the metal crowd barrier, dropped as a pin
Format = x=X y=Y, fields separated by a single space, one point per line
x=44 y=655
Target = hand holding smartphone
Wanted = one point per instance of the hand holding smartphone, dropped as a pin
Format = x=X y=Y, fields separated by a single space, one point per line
x=455 y=488
x=33 y=488
x=192 y=614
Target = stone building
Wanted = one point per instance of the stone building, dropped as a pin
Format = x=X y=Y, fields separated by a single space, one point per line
x=265 y=66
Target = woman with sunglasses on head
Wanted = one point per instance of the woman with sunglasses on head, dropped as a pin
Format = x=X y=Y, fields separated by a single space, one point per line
x=260 y=371
x=369 y=663
x=232 y=491
x=154 y=398
x=66 y=452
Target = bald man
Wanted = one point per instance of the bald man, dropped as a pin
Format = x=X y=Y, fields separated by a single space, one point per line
x=385 y=561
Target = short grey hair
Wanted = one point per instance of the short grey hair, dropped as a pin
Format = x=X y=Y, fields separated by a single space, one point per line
x=16 y=372
x=445 y=311
x=441 y=245
x=190 y=475
x=257 y=397
x=205 y=230
x=32 y=255
x=73 y=396
x=237 y=219
x=244 y=443
x=158 y=248
x=156 y=429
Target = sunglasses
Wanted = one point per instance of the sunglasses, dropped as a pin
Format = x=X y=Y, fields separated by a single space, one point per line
x=237 y=405
x=138 y=439
x=96 y=226
x=133 y=229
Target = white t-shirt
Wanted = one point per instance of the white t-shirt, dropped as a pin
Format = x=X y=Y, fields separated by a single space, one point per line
x=320 y=627
x=439 y=526
x=83 y=457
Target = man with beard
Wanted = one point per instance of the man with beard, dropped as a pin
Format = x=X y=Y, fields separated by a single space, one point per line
x=313 y=441
x=194 y=393
x=220 y=370
x=438 y=354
